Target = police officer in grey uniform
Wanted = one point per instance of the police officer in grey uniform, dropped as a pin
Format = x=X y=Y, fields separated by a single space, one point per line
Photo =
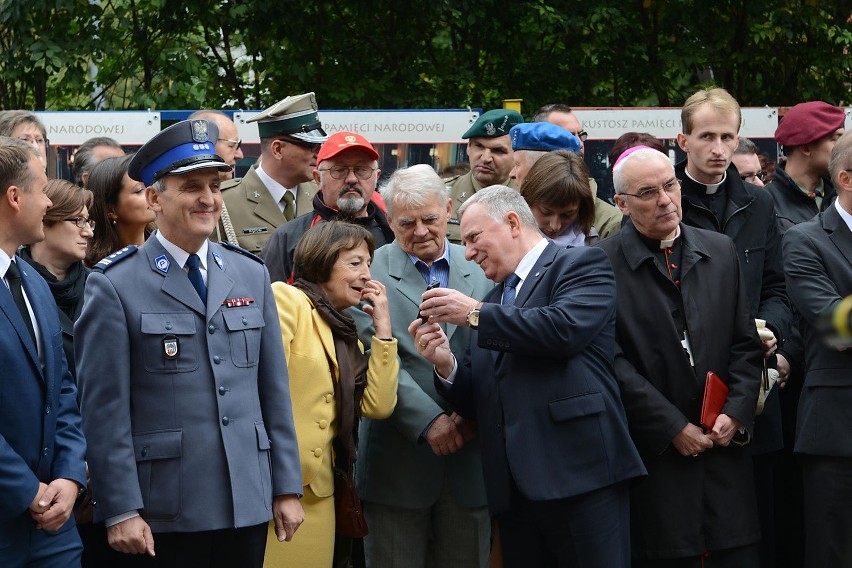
x=489 y=151
x=183 y=381
x=279 y=187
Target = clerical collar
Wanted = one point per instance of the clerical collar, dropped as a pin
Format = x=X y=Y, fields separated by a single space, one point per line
x=669 y=243
x=709 y=189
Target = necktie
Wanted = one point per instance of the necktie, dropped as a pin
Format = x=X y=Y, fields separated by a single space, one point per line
x=13 y=277
x=509 y=291
x=289 y=209
x=193 y=262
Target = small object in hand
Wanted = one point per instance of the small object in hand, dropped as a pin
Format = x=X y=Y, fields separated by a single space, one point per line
x=432 y=285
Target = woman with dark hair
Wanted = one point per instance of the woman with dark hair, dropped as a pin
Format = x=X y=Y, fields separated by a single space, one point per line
x=58 y=258
x=332 y=382
x=557 y=190
x=629 y=140
x=121 y=213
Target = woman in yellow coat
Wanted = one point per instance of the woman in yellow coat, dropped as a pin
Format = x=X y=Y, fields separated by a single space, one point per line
x=332 y=267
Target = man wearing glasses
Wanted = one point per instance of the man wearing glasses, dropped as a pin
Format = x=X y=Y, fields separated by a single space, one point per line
x=347 y=172
x=279 y=187
x=607 y=217
x=747 y=163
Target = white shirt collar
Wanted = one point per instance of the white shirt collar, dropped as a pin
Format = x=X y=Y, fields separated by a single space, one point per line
x=276 y=190
x=844 y=214
x=5 y=262
x=711 y=188
x=529 y=260
x=181 y=255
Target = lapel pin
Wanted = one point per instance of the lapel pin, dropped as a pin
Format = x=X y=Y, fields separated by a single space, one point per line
x=162 y=263
x=218 y=260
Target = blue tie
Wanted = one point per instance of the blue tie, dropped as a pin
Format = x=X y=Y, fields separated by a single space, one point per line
x=193 y=262
x=509 y=291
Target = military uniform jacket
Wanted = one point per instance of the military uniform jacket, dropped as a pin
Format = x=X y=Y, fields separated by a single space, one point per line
x=254 y=213
x=461 y=188
x=396 y=466
x=186 y=407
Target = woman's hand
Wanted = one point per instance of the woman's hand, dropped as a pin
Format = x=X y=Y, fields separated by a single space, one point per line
x=375 y=295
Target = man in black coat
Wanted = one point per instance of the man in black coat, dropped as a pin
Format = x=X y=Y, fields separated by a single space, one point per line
x=818 y=268
x=347 y=173
x=685 y=287
x=716 y=199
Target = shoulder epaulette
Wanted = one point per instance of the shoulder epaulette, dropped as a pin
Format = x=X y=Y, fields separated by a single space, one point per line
x=115 y=258
x=451 y=179
x=229 y=183
x=242 y=251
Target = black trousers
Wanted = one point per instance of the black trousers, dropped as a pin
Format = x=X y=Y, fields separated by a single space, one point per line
x=828 y=510
x=587 y=531
x=226 y=548
x=740 y=557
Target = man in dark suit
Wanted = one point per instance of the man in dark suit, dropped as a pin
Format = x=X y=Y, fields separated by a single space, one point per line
x=185 y=394
x=682 y=311
x=538 y=379
x=42 y=468
x=818 y=268
x=419 y=471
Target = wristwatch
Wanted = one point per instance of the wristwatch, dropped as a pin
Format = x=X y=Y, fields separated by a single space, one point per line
x=473 y=318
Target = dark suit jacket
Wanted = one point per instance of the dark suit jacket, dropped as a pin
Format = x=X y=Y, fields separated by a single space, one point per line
x=538 y=378
x=40 y=436
x=818 y=266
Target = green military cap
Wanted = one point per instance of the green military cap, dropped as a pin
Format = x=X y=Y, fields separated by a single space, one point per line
x=294 y=116
x=494 y=123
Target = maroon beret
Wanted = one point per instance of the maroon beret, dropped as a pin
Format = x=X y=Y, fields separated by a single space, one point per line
x=807 y=122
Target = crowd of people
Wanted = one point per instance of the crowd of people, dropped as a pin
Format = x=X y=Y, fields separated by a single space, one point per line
x=305 y=367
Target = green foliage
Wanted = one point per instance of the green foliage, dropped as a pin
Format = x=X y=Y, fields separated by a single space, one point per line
x=137 y=54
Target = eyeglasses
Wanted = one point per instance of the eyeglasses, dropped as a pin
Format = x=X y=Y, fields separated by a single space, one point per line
x=235 y=144
x=82 y=222
x=342 y=172
x=582 y=135
x=650 y=193
x=761 y=175
x=37 y=140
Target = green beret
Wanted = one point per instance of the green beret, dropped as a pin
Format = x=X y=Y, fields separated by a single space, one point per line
x=494 y=123
x=293 y=116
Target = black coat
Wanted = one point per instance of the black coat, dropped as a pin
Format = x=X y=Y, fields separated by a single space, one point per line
x=750 y=221
x=686 y=505
x=792 y=206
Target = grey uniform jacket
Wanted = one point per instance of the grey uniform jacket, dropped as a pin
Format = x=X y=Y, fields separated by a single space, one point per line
x=254 y=213
x=186 y=408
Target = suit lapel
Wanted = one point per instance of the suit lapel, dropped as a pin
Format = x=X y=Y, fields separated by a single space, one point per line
x=534 y=277
x=219 y=283
x=7 y=304
x=459 y=280
x=264 y=206
x=408 y=279
x=838 y=232
x=175 y=281
x=327 y=340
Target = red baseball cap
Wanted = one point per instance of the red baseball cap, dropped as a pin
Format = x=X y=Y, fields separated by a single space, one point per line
x=807 y=122
x=341 y=141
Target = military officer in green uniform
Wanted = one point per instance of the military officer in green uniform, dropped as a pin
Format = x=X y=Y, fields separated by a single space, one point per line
x=489 y=151
x=279 y=187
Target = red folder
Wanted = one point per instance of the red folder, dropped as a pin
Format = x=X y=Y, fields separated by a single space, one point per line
x=715 y=394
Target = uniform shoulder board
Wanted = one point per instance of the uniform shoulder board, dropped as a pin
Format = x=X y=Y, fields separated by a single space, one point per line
x=450 y=180
x=230 y=183
x=115 y=258
x=242 y=251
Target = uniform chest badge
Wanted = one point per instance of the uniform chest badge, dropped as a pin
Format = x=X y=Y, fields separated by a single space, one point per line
x=218 y=260
x=171 y=346
x=162 y=263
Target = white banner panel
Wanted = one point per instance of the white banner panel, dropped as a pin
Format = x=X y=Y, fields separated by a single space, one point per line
x=383 y=126
x=74 y=128
x=609 y=124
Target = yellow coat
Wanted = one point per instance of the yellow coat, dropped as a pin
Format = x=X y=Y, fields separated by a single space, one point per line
x=309 y=346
